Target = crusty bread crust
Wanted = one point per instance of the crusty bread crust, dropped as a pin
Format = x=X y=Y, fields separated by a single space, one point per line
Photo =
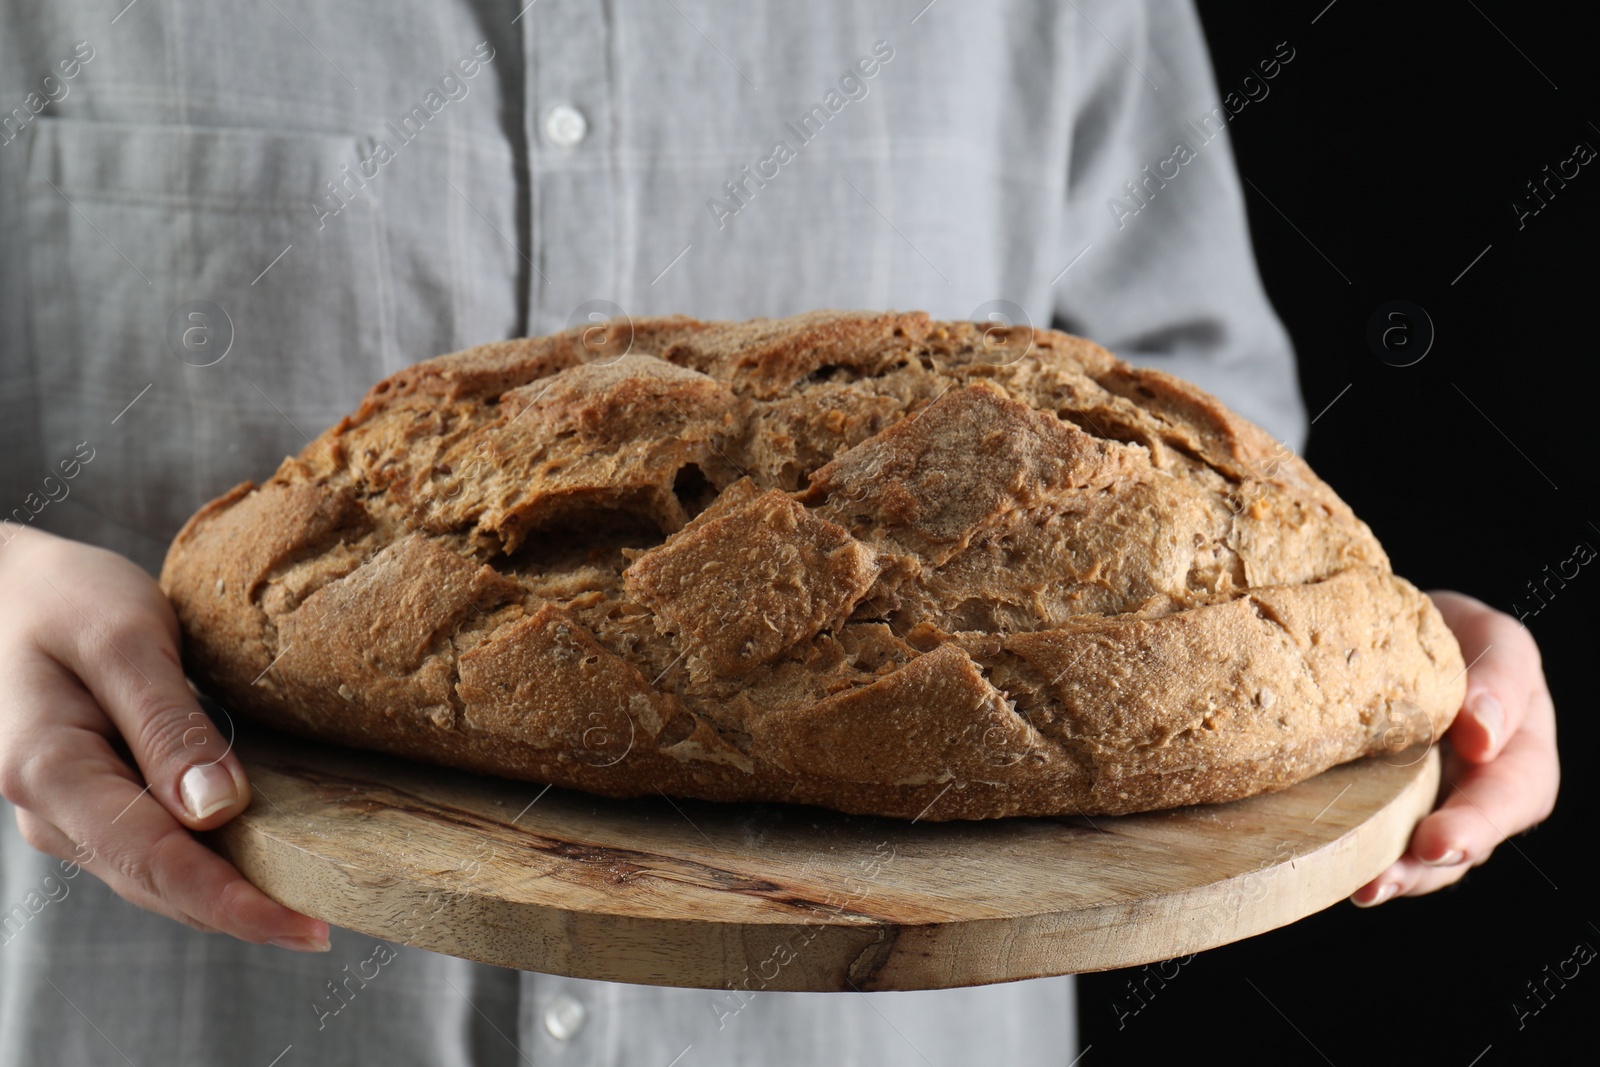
x=848 y=559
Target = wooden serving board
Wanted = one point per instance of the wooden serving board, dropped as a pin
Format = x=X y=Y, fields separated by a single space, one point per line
x=785 y=897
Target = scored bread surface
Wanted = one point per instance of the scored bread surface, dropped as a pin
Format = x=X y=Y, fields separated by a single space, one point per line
x=866 y=561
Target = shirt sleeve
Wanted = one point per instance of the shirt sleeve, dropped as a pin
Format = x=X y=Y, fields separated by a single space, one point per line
x=1166 y=277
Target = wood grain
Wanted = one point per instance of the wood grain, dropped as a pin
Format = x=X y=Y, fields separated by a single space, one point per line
x=784 y=897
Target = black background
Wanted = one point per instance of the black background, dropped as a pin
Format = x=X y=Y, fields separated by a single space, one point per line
x=1396 y=142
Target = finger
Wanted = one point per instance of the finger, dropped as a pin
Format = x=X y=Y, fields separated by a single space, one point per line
x=1481 y=807
x=43 y=837
x=71 y=779
x=1408 y=877
x=128 y=660
x=150 y=859
x=1403 y=872
x=1382 y=888
x=1503 y=675
x=1491 y=802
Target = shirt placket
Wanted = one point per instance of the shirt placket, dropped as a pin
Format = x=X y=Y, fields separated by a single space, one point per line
x=572 y=181
x=569 y=129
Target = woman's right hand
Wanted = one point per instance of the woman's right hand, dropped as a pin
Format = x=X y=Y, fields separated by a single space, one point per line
x=88 y=662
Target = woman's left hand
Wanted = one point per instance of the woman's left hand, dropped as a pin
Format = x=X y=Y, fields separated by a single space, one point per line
x=1501 y=772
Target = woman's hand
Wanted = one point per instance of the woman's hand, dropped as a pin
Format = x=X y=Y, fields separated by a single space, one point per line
x=1501 y=773
x=89 y=661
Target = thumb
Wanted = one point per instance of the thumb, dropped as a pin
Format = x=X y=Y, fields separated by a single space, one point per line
x=212 y=784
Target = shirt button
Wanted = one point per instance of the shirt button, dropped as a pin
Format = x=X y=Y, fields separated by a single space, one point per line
x=564 y=1017
x=565 y=126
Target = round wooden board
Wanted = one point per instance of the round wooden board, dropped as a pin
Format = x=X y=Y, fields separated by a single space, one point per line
x=785 y=897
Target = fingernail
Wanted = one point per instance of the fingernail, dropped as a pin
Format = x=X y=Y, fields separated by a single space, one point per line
x=1449 y=859
x=302 y=944
x=207 y=789
x=1384 y=893
x=1490 y=715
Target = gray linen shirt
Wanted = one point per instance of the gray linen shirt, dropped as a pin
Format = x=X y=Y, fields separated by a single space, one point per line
x=356 y=186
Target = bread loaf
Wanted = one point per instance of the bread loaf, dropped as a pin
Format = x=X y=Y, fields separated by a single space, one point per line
x=866 y=561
